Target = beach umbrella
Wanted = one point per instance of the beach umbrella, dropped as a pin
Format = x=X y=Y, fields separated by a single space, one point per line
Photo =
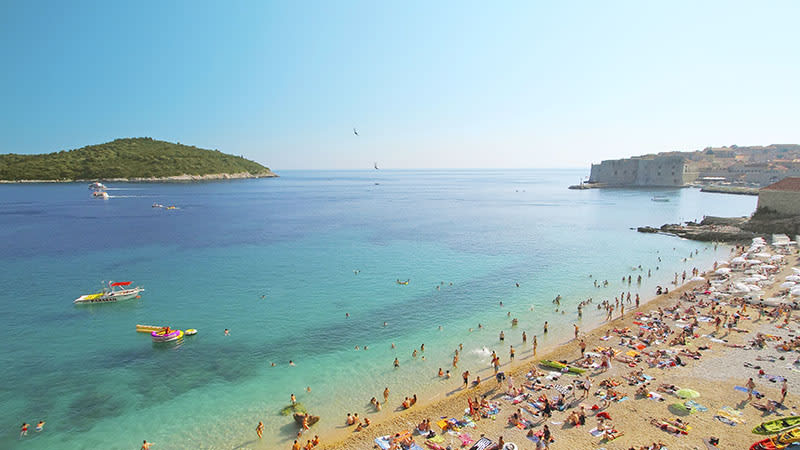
x=788 y=284
x=697 y=279
x=795 y=278
x=776 y=257
x=750 y=279
x=723 y=271
x=795 y=291
x=738 y=260
x=767 y=266
x=679 y=410
x=796 y=270
x=687 y=393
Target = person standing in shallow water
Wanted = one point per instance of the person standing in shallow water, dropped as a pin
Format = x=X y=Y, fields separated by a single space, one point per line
x=260 y=429
x=535 y=344
x=545 y=327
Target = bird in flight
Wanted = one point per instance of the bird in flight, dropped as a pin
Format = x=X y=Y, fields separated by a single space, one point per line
x=355 y=131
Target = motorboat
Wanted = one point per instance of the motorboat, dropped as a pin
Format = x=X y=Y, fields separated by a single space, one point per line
x=166 y=335
x=111 y=294
x=157 y=205
x=97 y=186
x=100 y=194
x=659 y=198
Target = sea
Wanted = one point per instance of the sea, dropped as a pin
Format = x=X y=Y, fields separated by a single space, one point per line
x=304 y=268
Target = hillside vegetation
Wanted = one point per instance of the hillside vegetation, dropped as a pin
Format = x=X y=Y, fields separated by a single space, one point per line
x=126 y=158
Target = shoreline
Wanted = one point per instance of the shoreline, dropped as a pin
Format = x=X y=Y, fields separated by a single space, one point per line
x=451 y=400
x=169 y=179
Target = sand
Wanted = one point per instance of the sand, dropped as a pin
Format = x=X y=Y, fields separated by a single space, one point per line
x=714 y=376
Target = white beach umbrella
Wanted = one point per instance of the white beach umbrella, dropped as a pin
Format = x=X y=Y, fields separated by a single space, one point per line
x=753 y=287
x=738 y=260
x=768 y=267
x=752 y=262
x=796 y=270
x=795 y=291
x=697 y=279
x=723 y=271
x=776 y=258
x=795 y=278
x=740 y=287
x=750 y=279
x=763 y=255
x=788 y=284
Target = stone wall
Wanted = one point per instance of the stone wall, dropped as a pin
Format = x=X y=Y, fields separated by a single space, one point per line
x=652 y=171
x=783 y=202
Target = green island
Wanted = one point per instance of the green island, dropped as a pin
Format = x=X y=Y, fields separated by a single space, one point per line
x=132 y=159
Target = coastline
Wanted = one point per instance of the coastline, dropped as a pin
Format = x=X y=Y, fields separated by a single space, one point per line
x=170 y=179
x=392 y=420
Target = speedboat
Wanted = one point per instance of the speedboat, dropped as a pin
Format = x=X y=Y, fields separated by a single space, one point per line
x=166 y=335
x=97 y=186
x=157 y=205
x=111 y=294
x=100 y=194
x=658 y=198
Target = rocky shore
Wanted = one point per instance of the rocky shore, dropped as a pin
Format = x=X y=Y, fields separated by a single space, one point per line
x=731 y=229
x=176 y=178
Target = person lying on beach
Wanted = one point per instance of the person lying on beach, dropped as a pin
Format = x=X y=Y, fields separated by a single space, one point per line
x=768 y=406
x=667 y=426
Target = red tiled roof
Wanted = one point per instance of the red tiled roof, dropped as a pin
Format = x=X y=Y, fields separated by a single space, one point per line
x=791 y=184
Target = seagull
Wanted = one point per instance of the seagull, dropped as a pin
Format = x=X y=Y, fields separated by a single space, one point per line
x=355 y=132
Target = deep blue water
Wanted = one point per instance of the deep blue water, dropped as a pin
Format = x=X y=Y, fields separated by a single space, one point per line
x=297 y=240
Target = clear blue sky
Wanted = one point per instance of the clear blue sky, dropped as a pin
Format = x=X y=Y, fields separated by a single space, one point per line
x=427 y=84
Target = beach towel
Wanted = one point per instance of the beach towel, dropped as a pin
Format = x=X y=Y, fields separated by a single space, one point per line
x=694 y=406
x=595 y=432
x=437 y=439
x=482 y=444
x=383 y=442
x=773 y=378
x=465 y=439
x=744 y=389
x=414 y=446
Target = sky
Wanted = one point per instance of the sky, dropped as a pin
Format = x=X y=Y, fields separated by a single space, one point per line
x=427 y=84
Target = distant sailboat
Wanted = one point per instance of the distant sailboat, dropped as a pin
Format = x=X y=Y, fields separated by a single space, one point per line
x=355 y=131
x=376 y=166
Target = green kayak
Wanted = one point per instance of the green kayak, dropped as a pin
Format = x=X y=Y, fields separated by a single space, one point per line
x=560 y=366
x=778 y=425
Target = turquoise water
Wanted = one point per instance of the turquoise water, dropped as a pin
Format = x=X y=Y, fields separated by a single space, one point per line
x=297 y=240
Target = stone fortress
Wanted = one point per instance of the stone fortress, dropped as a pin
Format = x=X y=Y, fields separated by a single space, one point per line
x=755 y=167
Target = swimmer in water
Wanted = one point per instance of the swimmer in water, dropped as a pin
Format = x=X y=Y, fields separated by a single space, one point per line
x=347 y=315
x=294 y=400
x=396 y=363
x=40 y=426
x=227 y=332
x=308 y=388
x=291 y=363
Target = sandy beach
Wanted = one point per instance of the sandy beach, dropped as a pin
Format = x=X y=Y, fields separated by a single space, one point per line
x=725 y=359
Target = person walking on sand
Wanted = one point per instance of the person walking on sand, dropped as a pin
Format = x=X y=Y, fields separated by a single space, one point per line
x=784 y=390
x=583 y=347
x=385 y=395
x=465 y=377
x=576 y=330
x=750 y=386
x=260 y=429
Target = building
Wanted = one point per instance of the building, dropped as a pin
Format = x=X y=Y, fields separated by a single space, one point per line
x=782 y=197
x=649 y=170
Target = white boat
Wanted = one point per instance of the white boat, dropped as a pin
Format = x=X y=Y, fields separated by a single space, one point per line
x=97 y=186
x=658 y=198
x=111 y=294
x=100 y=194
